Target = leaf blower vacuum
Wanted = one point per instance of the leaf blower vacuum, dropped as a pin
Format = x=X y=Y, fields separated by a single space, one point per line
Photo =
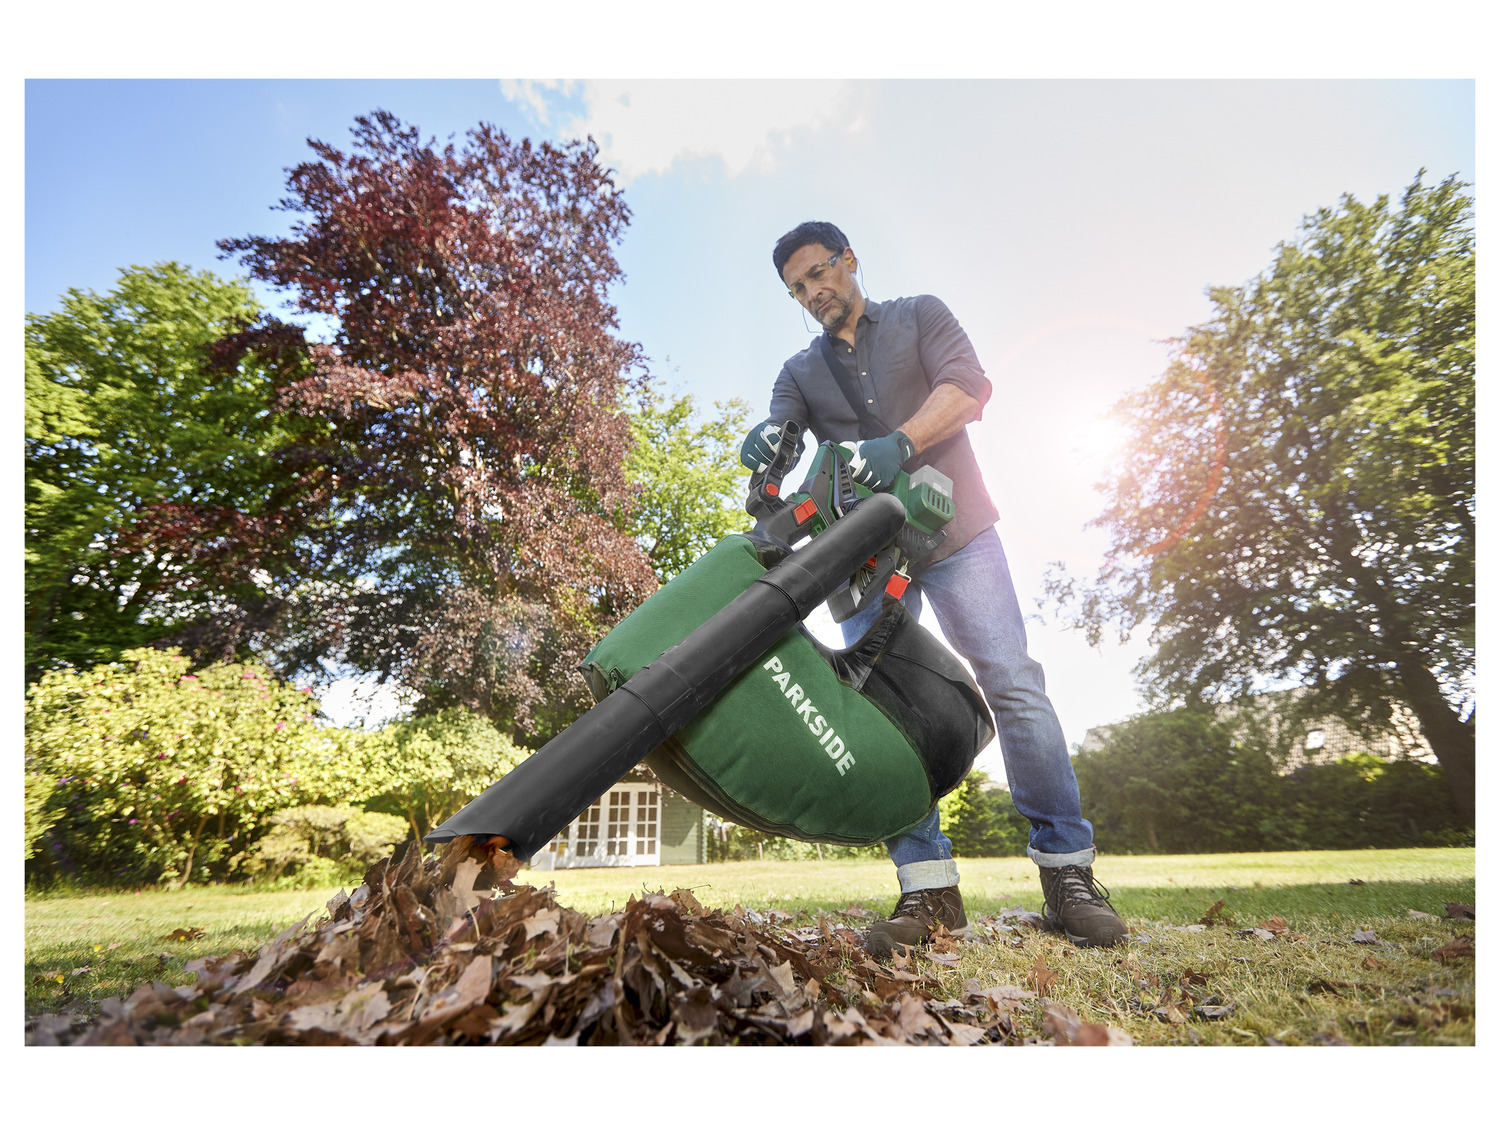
x=715 y=684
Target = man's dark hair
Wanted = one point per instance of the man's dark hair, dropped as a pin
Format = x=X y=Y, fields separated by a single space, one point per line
x=806 y=234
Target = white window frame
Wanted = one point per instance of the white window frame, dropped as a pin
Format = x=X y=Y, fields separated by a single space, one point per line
x=621 y=829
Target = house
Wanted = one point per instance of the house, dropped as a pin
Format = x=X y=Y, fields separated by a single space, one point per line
x=636 y=823
x=1314 y=741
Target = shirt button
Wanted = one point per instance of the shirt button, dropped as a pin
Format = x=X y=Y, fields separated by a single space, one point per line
x=870 y=401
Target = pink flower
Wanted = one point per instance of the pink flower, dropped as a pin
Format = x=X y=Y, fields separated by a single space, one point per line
x=281 y=726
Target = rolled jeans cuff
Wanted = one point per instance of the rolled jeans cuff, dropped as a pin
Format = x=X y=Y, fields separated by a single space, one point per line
x=1063 y=859
x=927 y=875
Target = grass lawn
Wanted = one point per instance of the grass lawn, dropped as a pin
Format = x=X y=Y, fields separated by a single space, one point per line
x=1354 y=965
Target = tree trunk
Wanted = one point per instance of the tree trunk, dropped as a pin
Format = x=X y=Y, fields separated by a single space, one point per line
x=187 y=868
x=1451 y=738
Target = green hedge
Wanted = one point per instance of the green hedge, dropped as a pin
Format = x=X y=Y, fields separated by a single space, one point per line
x=1181 y=782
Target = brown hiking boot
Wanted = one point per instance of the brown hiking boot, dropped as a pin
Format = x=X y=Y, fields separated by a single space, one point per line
x=917 y=915
x=1078 y=905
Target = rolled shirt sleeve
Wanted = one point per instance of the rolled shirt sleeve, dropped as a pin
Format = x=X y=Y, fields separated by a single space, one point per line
x=946 y=354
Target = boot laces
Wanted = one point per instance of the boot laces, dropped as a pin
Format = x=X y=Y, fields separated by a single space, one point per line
x=1077 y=884
x=916 y=904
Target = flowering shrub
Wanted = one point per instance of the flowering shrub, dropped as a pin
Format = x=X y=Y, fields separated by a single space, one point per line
x=165 y=773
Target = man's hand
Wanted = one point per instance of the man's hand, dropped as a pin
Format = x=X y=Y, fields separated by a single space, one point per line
x=760 y=446
x=875 y=463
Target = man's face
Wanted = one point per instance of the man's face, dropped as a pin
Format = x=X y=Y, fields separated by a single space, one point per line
x=825 y=290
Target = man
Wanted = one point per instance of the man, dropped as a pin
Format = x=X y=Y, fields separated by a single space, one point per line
x=910 y=370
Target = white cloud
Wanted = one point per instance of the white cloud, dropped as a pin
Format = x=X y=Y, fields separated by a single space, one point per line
x=644 y=127
x=534 y=94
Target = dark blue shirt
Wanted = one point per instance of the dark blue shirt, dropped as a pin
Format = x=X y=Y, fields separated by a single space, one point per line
x=903 y=348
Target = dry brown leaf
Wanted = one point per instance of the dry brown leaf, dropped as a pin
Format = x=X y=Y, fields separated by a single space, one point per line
x=1041 y=978
x=1007 y=998
x=544 y=922
x=1068 y=1029
x=694 y=1016
x=464 y=876
x=1332 y=987
x=1173 y=1013
x=1461 y=946
x=684 y=898
x=781 y=975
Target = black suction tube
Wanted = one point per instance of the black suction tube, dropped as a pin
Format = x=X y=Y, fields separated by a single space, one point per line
x=537 y=799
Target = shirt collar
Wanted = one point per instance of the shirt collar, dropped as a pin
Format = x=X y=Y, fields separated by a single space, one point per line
x=872 y=313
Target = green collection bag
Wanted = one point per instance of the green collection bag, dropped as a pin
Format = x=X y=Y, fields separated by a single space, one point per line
x=845 y=746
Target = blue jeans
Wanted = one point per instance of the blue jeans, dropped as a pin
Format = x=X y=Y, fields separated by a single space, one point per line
x=975 y=602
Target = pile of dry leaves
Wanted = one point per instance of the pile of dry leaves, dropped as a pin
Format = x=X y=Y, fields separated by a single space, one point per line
x=447 y=949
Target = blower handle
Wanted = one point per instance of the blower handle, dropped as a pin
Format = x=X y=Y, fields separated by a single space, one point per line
x=765 y=486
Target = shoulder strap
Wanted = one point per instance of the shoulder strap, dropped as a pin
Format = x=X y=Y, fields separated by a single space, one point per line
x=869 y=425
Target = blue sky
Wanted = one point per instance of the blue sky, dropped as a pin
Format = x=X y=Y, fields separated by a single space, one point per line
x=1069 y=224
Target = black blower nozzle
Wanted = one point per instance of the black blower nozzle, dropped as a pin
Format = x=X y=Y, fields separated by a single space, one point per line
x=537 y=799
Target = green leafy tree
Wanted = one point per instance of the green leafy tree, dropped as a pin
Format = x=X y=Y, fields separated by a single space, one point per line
x=692 y=485
x=162 y=773
x=425 y=769
x=1297 y=503
x=127 y=419
x=1177 y=782
x=980 y=820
